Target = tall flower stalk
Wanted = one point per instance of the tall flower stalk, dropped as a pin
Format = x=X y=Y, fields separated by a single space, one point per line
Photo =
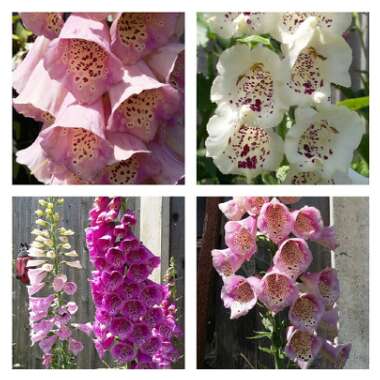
x=50 y=307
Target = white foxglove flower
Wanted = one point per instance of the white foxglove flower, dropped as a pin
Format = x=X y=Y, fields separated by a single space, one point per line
x=242 y=148
x=253 y=78
x=317 y=58
x=285 y=25
x=222 y=23
x=324 y=139
x=252 y=23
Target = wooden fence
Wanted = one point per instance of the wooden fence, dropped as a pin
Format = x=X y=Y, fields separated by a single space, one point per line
x=154 y=214
x=223 y=343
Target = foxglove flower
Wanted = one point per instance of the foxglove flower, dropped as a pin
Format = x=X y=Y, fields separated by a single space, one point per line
x=276 y=291
x=222 y=23
x=317 y=59
x=232 y=209
x=308 y=223
x=329 y=324
x=302 y=346
x=306 y=312
x=325 y=284
x=239 y=294
x=134 y=35
x=81 y=59
x=253 y=205
x=252 y=23
x=240 y=237
x=46 y=24
x=253 y=79
x=239 y=147
x=225 y=262
x=275 y=220
x=324 y=139
x=336 y=355
x=293 y=257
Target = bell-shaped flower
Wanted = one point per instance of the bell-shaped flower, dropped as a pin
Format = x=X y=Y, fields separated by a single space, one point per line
x=336 y=354
x=140 y=104
x=239 y=295
x=222 y=23
x=253 y=78
x=308 y=223
x=252 y=23
x=329 y=324
x=293 y=257
x=242 y=148
x=75 y=346
x=123 y=352
x=46 y=24
x=285 y=25
x=168 y=64
x=47 y=344
x=134 y=35
x=252 y=205
x=324 y=139
x=76 y=140
x=41 y=97
x=317 y=59
x=23 y=71
x=302 y=346
x=225 y=262
x=327 y=238
x=81 y=59
x=240 y=237
x=275 y=221
x=306 y=312
x=324 y=283
x=231 y=209
x=276 y=291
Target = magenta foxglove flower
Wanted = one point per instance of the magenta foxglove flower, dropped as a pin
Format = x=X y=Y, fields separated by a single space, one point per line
x=134 y=35
x=47 y=344
x=293 y=257
x=325 y=284
x=23 y=71
x=225 y=262
x=140 y=104
x=124 y=352
x=239 y=295
x=337 y=355
x=231 y=209
x=308 y=223
x=168 y=64
x=275 y=220
x=306 y=312
x=277 y=291
x=81 y=59
x=240 y=237
x=302 y=347
x=43 y=24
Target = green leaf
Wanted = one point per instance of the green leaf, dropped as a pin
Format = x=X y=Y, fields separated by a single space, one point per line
x=269 y=351
x=260 y=335
x=254 y=40
x=355 y=104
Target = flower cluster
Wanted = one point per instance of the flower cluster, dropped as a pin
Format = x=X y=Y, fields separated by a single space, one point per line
x=310 y=297
x=108 y=90
x=134 y=319
x=274 y=101
x=50 y=315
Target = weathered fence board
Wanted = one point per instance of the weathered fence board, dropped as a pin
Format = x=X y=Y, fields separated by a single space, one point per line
x=75 y=214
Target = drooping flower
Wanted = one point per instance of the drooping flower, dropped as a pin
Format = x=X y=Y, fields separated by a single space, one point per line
x=308 y=223
x=336 y=354
x=306 y=312
x=252 y=79
x=225 y=262
x=302 y=346
x=222 y=23
x=324 y=283
x=231 y=209
x=329 y=324
x=240 y=237
x=275 y=220
x=324 y=139
x=134 y=35
x=317 y=58
x=293 y=257
x=46 y=24
x=253 y=205
x=81 y=59
x=239 y=295
x=276 y=291
x=239 y=147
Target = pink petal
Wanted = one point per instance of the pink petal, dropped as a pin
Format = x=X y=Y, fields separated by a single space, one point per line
x=59 y=282
x=43 y=24
x=231 y=210
x=225 y=262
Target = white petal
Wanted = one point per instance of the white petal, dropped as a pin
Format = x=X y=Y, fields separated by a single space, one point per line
x=221 y=23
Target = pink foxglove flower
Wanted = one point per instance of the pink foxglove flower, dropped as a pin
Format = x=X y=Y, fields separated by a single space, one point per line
x=302 y=347
x=43 y=24
x=308 y=223
x=329 y=324
x=134 y=35
x=252 y=205
x=306 y=312
x=293 y=257
x=81 y=59
x=289 y=200
x=232 y=210
x=277 y=291
x=336 y=355
x=275 y=220
x=240 y=237
x=239 y=295
x=225 y=262
x=325 y=284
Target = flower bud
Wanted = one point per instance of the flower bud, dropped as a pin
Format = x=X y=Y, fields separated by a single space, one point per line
x=39 y=213
x=42 y=202
x=42 y=223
